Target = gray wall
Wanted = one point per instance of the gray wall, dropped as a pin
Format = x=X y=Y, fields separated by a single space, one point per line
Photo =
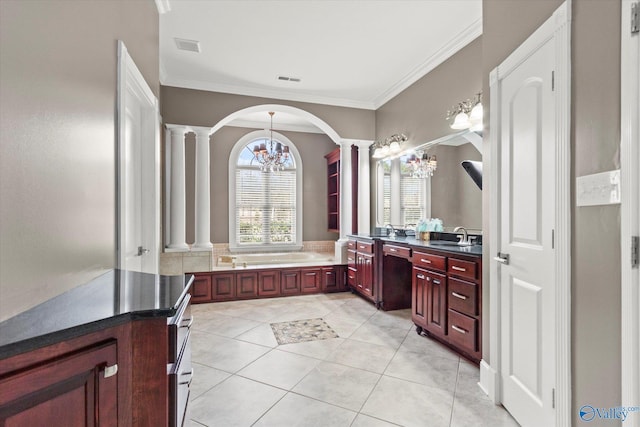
x=202 y=108
x=595 y=116
x=57 y=139
x=312 y=149
x=420 y=112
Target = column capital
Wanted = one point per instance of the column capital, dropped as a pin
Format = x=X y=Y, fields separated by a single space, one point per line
x=363 y=144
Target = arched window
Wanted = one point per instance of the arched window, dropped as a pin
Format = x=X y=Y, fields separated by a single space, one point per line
x=265 y=207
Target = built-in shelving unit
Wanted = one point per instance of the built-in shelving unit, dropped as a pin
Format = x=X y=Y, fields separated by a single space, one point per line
x=333 y=190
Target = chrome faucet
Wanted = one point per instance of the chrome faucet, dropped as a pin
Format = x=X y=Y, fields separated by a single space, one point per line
x=391 y=232
x=464 y=238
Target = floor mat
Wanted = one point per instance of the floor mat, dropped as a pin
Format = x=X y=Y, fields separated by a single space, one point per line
x=302 y=330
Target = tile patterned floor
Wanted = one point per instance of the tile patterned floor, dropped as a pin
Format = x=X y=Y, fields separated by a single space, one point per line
x=379 y=372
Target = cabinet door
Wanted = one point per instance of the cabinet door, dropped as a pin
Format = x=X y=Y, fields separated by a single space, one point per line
x=436 y=303
x=367 y=274
x=70 y=391
x=222 y=286
x=201 y=288
x=419 y=297
x=269 y=283
x=310 y=280
x=290 y=282
x=329 y=280
x=246 y=285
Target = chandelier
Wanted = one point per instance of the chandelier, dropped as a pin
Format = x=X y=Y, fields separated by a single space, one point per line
x=271 y=159
x=467 y=114
x=390 y=145
x=422 y=165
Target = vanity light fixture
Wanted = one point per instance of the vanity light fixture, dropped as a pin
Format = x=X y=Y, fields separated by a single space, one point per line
x=391 y=145
x=422 y=165
x=467 y=114
x=271 y=159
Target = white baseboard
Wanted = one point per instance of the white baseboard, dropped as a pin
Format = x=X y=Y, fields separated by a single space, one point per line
x=489 y=382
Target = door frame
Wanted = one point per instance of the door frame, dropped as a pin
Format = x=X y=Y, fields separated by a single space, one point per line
x=629 y=215
x=129 y=76
x=558 y=28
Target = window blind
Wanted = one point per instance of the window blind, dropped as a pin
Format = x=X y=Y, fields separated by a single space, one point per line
x=265 y=206
x=412 y=194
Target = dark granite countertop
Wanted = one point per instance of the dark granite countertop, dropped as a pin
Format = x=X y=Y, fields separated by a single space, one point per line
x=440 y=245
x=113 y=298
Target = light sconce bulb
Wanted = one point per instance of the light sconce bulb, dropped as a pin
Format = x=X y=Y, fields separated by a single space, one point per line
x=461 y=121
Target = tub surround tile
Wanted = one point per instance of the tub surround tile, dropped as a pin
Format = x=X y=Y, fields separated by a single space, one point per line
x=192 y=262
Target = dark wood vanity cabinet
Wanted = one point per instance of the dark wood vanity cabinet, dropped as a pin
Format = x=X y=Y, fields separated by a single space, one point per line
x=446 y=293
x=360 y=262
x=74 y=388
x=137 y=373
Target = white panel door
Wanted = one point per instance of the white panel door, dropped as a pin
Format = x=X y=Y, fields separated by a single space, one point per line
x=139 y=170
x=527 y=183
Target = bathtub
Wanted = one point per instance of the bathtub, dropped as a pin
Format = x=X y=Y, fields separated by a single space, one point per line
x=273 y=259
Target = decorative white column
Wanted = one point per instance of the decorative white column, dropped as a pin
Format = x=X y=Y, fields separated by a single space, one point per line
x=202 y=202
x=346 y=197
x=364 y=187
x=177 y=220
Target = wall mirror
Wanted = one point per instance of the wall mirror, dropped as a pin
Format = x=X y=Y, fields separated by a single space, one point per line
x=450 y=194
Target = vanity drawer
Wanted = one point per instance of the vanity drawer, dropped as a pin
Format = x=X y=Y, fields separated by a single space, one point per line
x=351 y=276
x=434 y=262
x=352 y=245
x=179 y=326
x=463 y=296
x=394 y=250
x=180 y=376
x=463 y=331
x=351 y=258
x=458 y=267
x=365 y=247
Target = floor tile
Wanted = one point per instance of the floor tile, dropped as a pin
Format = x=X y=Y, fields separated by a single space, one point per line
x=367 y=421
x=338 y=384
x=299 y=411
x=236 y=401
x=425 y=369
x=479 y=412
x=223 y=353
x=423 y=344
x=319 y=349
x=344 y=325
x=204 y=379
x=363 y=355
x=400 y=319
x=390 y=337
x=409 y=404
x=261 y=334
x=279 y=369
x=226 y=326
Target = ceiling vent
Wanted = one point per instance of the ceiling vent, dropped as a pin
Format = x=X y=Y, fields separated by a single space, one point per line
x=289 y=79
x=189 y=45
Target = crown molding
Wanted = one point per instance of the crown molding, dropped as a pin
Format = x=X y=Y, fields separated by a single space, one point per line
x=463 y=38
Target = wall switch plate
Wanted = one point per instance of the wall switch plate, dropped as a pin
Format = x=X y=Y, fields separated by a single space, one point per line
x=598 y=189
